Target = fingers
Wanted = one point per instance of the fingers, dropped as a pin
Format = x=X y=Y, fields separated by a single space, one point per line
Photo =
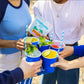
x=46 y=37
x=20 y=47
x=60 y=59
x=35 y=75
x=62 y=54
x=38 y=63
x=37 y=70
x=55 y=64
x=20 y=44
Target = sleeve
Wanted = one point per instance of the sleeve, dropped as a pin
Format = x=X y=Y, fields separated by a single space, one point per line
x=36 y=9
x=79 y=50
x=28 y=2
x=3 y=5
x=11 y=77
x=1 y=15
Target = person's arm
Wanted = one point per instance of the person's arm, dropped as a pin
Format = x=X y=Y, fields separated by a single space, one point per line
x=76 y=50
x=11 y=77
x=19 y=44
x=66 y=65
x=24 y=71
x=7 y=43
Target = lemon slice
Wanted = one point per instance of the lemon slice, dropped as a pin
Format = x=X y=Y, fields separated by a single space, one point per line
x=34 y=40
x=45 y=54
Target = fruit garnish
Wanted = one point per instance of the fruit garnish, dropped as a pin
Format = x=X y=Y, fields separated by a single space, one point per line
x=30 y=49
x=34 y=40
x=44 y=42
x=54 y=46
x=46 y=53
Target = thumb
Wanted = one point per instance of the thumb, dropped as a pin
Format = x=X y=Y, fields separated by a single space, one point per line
x=60 y=52
x=55 y=64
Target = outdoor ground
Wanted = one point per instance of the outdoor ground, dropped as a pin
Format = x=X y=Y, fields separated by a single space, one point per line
x=36 y=80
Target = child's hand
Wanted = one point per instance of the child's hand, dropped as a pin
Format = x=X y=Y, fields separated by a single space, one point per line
x=68 y=50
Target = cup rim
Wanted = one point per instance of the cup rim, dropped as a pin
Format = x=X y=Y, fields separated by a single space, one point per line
x=49 y=58
x=57 y=41
x=44 y=45
x=32 y=37
x=34 y=57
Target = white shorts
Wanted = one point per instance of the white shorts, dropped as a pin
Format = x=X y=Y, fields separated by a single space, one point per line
x=10 y=61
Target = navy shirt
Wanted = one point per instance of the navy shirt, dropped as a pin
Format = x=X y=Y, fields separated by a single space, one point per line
x=79 y=50
x=11 y=77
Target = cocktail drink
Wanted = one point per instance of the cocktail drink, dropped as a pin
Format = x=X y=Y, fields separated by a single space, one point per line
x=56 y=45
x=49 y=57
x=35 y=56
x=32 y=40
x=44 y=44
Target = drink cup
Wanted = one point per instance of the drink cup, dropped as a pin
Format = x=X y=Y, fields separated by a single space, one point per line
x=35 y=56
x=56 y=45
x=43 y=47
x=49 y=57
x=32 y=40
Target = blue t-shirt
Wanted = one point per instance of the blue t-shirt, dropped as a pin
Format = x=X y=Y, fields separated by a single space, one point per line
x=13 y=25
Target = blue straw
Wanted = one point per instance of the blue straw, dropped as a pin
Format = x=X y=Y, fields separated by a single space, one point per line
x=51 y=35
x=25 y=43
x=26 y=36
x=26 y=31
x=60 y=44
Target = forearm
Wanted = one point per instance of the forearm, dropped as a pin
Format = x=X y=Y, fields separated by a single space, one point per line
x=77 y=63
x=11 y=77
x=7 y=43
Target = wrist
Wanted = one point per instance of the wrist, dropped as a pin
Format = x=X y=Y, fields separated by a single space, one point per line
x=72 y=50
x=14 y=43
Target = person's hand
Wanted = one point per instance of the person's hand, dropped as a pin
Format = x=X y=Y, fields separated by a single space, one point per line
x=30 y=69
x=46 y=37
x=62 y=63
x=29 y=34
x=68 y=50
x=20 y=44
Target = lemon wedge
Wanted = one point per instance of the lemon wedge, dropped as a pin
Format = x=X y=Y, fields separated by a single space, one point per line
x=46 y=53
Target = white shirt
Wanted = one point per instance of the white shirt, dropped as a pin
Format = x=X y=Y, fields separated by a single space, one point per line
x=70 y=14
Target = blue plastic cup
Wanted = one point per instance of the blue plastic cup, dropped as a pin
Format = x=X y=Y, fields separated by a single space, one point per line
x=30 y=40
x=32 y=59
x=57 y=43
x=47 y=62
x=42 y=48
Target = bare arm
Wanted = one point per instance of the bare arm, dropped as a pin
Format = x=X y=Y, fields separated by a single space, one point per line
x=19 y=44
x=7 y=43
x=66 y=65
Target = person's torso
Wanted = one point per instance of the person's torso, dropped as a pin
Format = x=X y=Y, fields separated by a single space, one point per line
x=14 y=23
x=65 y=18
